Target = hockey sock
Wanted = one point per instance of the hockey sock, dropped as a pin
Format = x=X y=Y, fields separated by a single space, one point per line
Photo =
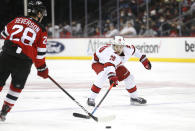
x=9 y=105
x=133 y=92
x=12 y=95
x=94 y=91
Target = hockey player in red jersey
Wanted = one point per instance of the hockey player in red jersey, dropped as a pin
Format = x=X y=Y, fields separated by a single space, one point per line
x=25 y=44
x=108 y=63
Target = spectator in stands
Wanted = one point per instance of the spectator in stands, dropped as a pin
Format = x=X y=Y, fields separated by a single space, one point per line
x=106 y=26
x=137 y=25
x=128 y=30
x=123 y=14
x=192 y=30
x=76 y=28
x=67 y=27
x=165 y=28
x=65 y=33
x=142 y=30
x=57 y=31
x=160 y=21
x=173 y=30
x=97 y=32
x=122 y=23
x=130 y=16
x=112 y=31
x=185 y=30
x=151 y=31
x=192 y=8
x=153 y=15
x=124 y=3
x=185 y=6
x=49 y=30
x=162 y=13
x=73 y=28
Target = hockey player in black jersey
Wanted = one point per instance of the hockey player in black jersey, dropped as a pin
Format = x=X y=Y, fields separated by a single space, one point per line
x=25 y=44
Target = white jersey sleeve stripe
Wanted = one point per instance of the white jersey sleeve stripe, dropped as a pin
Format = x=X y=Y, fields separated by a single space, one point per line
x=3 y=35
x=6 y=31
x=41 y=49
x=40 y=56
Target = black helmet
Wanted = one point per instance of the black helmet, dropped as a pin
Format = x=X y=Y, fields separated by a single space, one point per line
x=36 y=6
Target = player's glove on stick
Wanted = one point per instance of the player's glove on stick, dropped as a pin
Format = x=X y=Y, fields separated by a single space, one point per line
x=144 y=60
x=43 y=71
x=113 y=78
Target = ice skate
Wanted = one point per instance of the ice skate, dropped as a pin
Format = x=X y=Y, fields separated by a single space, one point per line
x=4 y=111
x=138 y=101
x=2 y=117
x=90 y=102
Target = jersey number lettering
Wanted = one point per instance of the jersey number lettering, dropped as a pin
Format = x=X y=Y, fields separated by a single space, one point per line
x=45 y=40
x=112 y=57
x=25 y=39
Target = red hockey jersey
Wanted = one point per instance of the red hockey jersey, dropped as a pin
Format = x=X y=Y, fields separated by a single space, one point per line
x=30 y=36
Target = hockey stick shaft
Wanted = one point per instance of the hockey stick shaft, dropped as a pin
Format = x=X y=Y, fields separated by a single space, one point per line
x=95 y=118
x=102 y=98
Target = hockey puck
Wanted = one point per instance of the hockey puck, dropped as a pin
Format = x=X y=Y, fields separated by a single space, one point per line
x=108 y=127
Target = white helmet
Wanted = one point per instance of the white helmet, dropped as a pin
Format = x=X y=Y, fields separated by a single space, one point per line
x=119 y=40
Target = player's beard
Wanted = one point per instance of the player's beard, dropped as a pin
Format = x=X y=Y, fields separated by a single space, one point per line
x=118 y=52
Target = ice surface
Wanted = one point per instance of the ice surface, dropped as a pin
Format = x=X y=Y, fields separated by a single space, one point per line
x=169 y=89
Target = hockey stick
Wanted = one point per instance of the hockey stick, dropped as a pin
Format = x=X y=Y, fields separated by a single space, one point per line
x=87 y=117
x=89 y=114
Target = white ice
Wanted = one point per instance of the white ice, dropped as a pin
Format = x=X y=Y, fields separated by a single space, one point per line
x=169 y=89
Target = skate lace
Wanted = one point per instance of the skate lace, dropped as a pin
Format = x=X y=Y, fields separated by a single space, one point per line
x=139 y=99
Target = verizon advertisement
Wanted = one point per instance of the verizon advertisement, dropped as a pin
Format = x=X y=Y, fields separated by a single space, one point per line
x=166 y=47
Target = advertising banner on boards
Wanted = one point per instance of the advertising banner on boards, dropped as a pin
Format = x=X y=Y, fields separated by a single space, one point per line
x=155 y=48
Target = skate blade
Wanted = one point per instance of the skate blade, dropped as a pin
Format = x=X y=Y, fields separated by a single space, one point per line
x=137 y=104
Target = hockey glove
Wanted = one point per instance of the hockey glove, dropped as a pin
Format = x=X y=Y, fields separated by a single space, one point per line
x=144 y=60
x=113 y=78
x=42 y=71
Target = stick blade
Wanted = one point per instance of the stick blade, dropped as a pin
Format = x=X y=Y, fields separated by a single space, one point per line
x=81 y=115
x=99 y=119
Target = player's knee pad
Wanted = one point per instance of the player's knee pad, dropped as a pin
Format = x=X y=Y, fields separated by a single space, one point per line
x=95 y=89
x=122 y=73
x=129 y=82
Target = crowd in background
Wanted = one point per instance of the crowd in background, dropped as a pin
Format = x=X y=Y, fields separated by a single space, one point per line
x=165 y=18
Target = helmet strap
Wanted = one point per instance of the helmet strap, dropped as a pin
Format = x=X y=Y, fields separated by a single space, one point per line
x=40 y=19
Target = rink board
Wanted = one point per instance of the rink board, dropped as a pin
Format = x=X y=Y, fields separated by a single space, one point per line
x=170 y=49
